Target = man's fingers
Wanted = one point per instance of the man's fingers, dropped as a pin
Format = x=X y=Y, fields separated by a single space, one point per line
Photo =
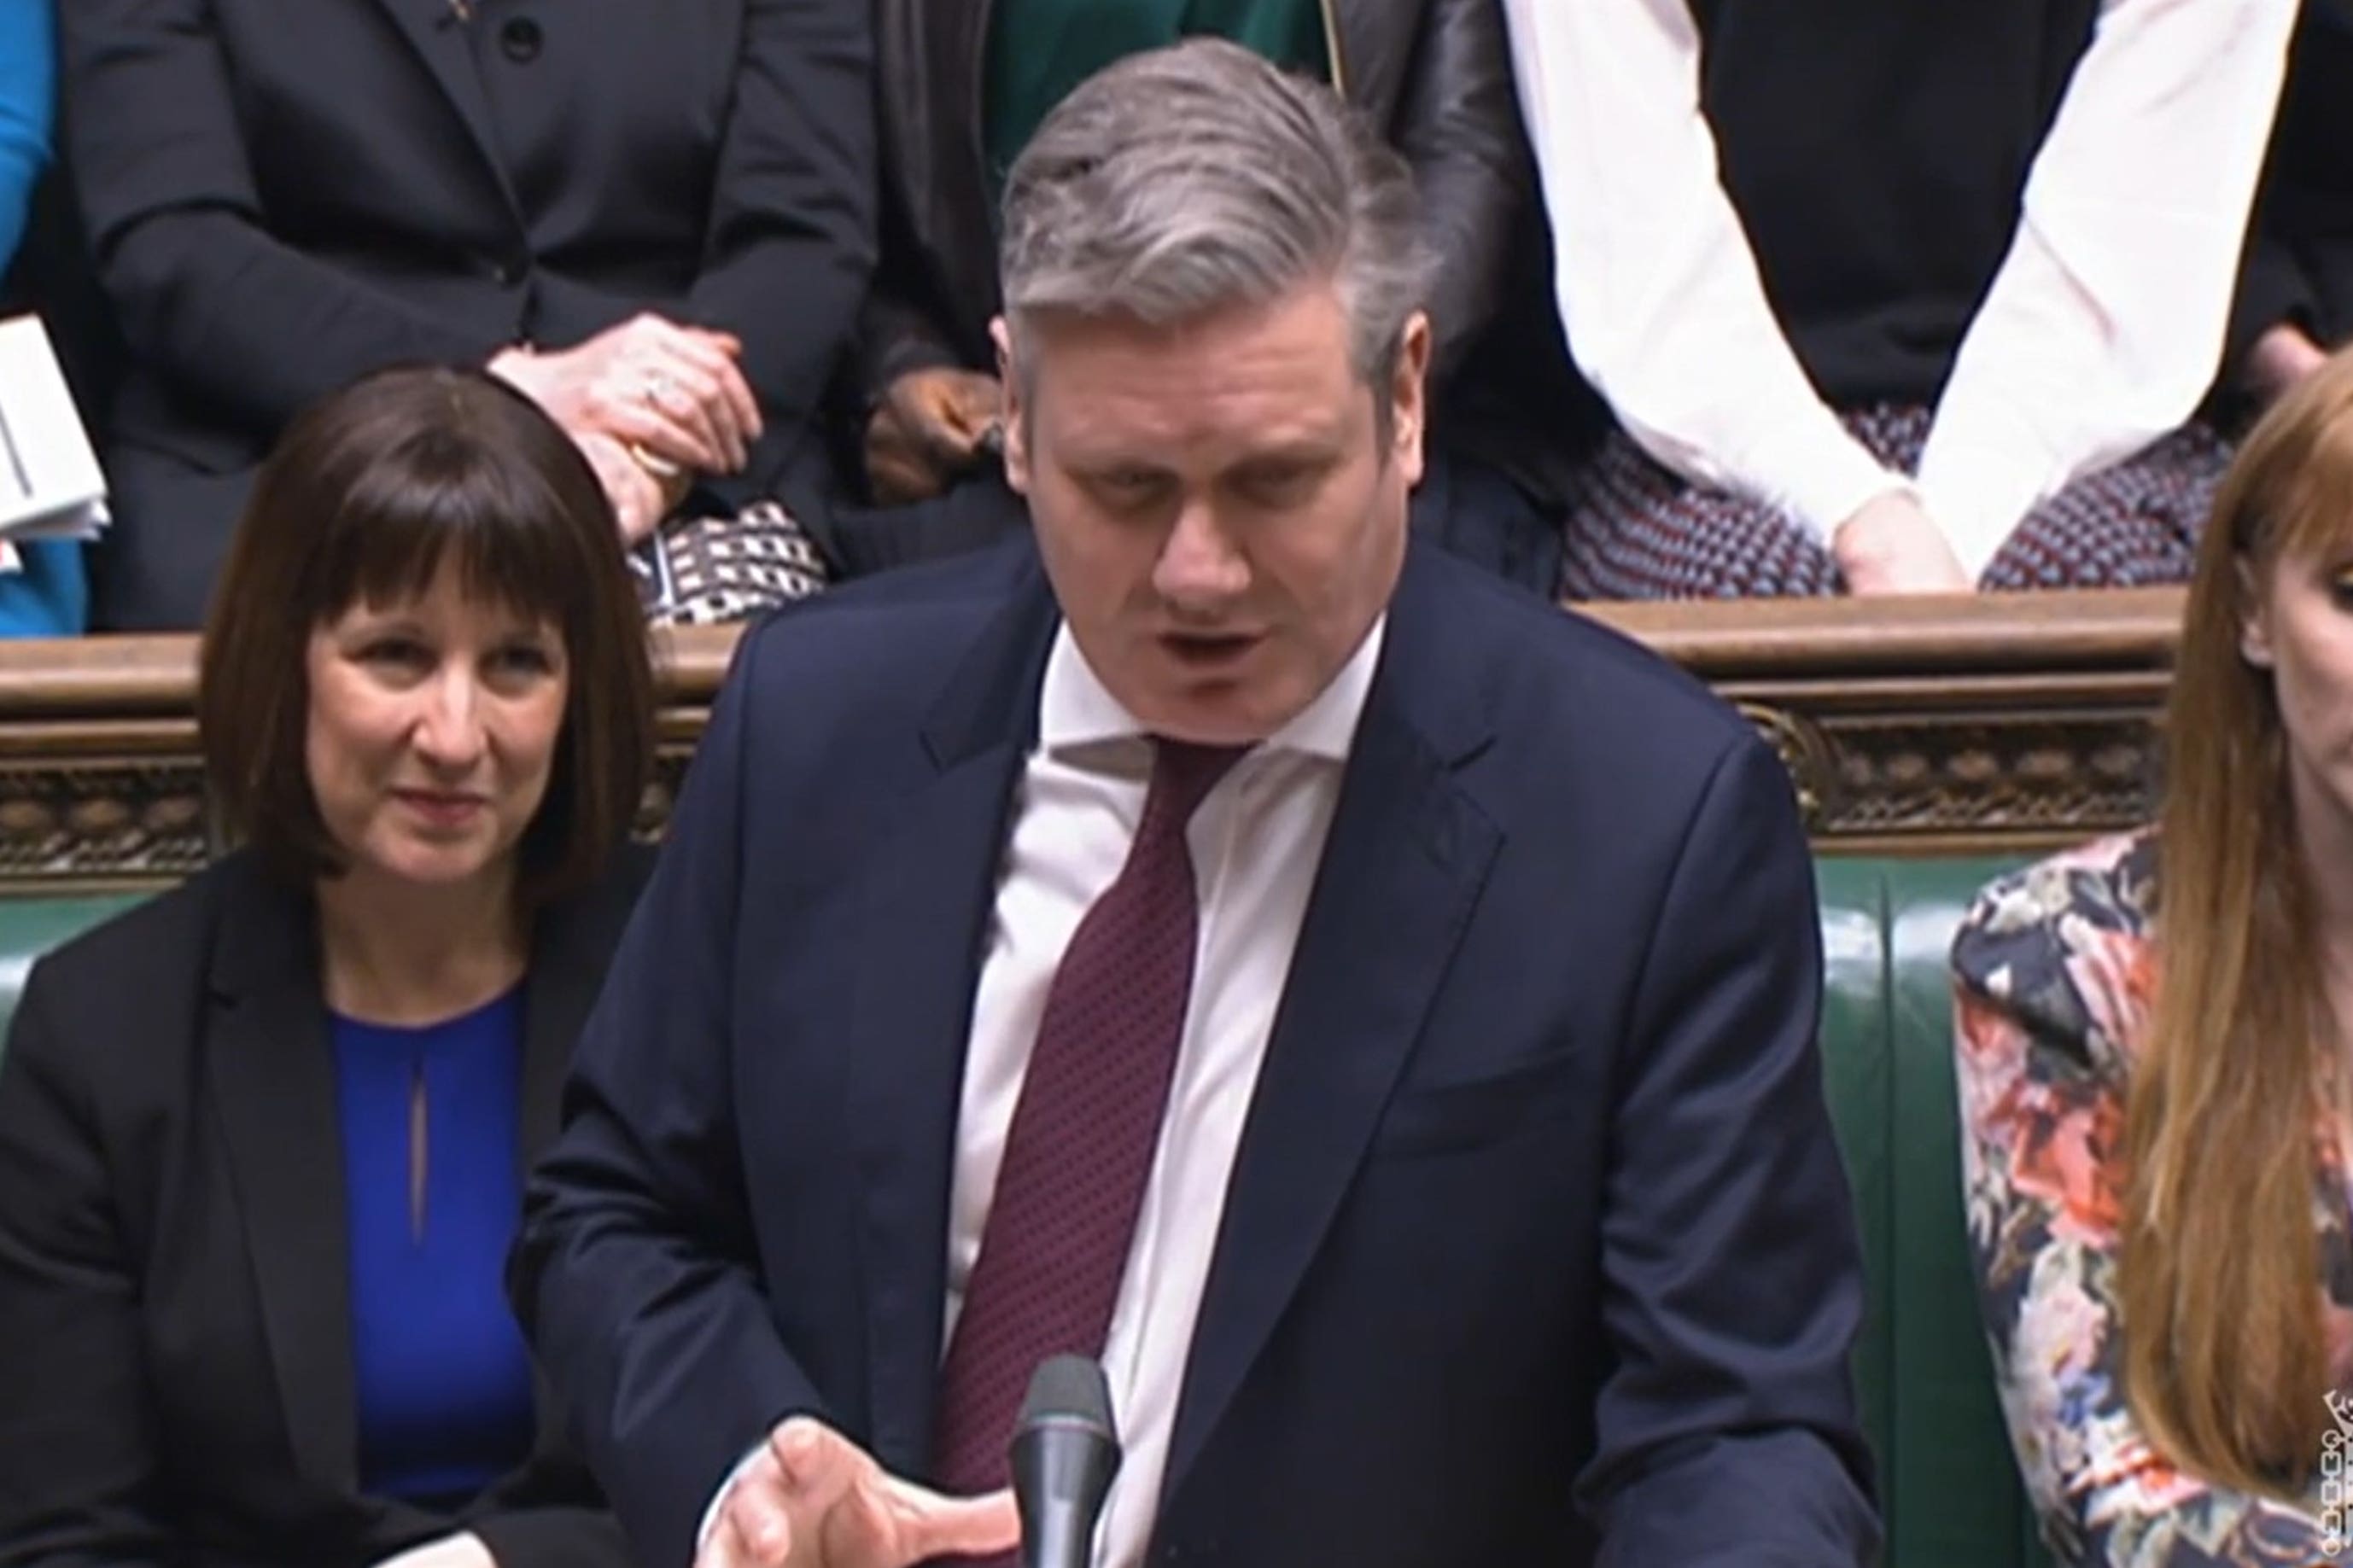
x=932 y=1525
x=941 y=431
x=896 y=467
x=975 y=404
x=819 y=1465
x=754 y=1530
x=720 y=1549
x=964 y=399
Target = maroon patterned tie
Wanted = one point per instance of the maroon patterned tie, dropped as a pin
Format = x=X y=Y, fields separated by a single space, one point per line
x=1063 y=1215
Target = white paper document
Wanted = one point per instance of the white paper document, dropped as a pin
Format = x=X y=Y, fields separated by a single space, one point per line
x=50 y=486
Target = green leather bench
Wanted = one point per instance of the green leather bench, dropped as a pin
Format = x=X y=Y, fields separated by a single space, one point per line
x=32 y=925
x=1947 y=1480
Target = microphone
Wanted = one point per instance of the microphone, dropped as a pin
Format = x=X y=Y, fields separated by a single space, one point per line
x=1065 y=1453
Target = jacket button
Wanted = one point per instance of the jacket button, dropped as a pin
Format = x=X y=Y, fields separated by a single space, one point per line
x=521 y=39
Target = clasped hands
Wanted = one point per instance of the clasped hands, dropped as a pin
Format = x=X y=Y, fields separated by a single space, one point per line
x=651 y=403
x=812 y=1499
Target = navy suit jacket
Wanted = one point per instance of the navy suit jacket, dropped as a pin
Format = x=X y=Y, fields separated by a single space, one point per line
x=1538 y=1247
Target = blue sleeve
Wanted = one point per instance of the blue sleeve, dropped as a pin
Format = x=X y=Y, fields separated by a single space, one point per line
x=29 y=66
x=50 y=597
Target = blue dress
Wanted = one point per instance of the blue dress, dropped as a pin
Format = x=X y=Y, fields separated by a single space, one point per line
x=430 y=1121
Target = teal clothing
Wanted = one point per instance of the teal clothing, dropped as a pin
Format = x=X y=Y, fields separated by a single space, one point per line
x=50 y=597
x=1040 y=49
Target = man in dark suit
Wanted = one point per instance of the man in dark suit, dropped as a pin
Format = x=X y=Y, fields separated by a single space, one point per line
x=1370 y=1010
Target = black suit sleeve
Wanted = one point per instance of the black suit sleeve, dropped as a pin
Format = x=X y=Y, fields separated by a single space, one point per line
x=1458 y=124
x=2274 y=289
x=895 y=337
x=2273 y=285
x=549 y=1513
x=637 y=1276
x=553 y=1538
x=791 y=243
x=77 y=1439
x=1728 y=1432
x=205 y=293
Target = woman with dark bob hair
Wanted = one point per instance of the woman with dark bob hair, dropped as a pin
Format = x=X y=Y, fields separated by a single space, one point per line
x=262 y=1138
x=2156 y=1058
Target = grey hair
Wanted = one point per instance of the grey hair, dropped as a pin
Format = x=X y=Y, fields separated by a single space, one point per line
x=1184 y=180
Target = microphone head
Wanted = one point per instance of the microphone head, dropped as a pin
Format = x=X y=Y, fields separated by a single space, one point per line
x=1065 y=1453
x=1068 y=1390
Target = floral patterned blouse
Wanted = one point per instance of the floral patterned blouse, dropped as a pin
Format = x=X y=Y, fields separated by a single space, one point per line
x=2053 y=979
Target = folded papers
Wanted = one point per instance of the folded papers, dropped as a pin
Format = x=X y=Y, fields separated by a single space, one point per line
x=51 y=485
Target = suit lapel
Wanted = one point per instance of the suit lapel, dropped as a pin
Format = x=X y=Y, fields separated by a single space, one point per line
x=439 y=38
x=572 y=945
x=929 y=894
x=1402 y=869
x=271 y=1067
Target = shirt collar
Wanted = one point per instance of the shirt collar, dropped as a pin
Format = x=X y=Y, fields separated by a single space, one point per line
x=1075 y=709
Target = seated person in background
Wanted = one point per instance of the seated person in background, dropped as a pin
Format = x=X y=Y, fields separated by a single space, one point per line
x=963 y=84
x=262 y=1138
x=44 y=594
x=1896 y=297
x=1232 y=821
x=2298 y=299
x=2153 y=1035
x=655 y=219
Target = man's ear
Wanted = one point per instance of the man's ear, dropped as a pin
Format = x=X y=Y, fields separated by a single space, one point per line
x=2254 y=619
x=1409 y=397
x=1015 y=433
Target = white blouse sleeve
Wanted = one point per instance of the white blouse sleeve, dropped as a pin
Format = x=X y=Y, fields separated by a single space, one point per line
x=2104 y=326
x=1659 y=290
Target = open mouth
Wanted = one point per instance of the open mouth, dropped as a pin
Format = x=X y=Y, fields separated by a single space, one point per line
x=1207 y=649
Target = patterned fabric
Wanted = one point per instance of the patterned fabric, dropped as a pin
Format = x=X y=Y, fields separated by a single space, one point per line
x=2054 y=977
x=1063 y=1218
x=1635 y=530
x=710 y=570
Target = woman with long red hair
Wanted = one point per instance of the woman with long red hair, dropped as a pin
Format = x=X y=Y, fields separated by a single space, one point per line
x=2154 y=1034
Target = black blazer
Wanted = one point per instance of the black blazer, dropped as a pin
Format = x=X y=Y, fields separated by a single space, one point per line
x=176 y=1360
x=281 y=197
x=1435 y=74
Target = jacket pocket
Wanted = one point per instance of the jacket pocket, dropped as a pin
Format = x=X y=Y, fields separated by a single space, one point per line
x=1436 y=1118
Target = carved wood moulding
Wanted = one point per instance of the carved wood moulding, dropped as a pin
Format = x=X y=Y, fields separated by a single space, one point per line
x=1921 y=726
x=1996 y=724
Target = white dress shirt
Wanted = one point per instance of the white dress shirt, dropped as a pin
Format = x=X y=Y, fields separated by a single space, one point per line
x=2101 y=332
x=1256 y=842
